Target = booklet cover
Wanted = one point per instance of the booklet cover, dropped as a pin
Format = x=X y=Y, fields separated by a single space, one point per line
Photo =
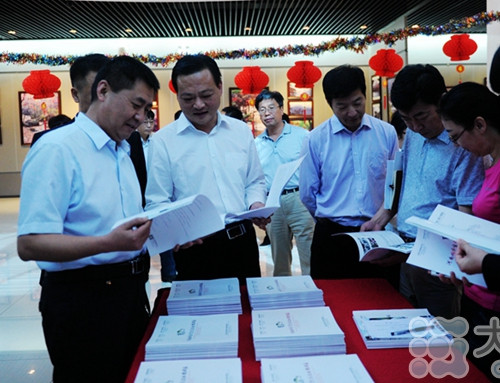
x=398 y=327
x=377 y=244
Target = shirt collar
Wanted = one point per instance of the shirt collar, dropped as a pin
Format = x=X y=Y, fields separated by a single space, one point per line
x=337 y=126
x=183 y=123
x=287 y=129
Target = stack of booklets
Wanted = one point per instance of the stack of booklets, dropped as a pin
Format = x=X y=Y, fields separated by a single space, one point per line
x=321 y=368
x=194 y=337
x=280 y=292
x=296 y=332
x=214 y=296
x=192 y=371
x=398 y=328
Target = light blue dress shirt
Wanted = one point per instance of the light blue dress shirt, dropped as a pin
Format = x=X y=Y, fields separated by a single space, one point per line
x=223 y=165
x=78 y=181
x=343 y=176
x=435 y=171
x=285 y=149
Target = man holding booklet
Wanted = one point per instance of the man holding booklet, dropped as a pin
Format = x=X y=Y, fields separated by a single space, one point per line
x=205 y=152
x=435 y=171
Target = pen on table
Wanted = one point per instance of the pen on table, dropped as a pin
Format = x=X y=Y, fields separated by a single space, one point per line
x=387 y=317
x=416 y=329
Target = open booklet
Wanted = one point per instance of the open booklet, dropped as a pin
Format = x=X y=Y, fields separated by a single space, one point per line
x=377 y=244
x=175 y=223
x=434 y=246
x=396 y=328
x=281 y=178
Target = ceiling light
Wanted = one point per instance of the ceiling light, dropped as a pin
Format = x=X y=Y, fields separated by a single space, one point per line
x=72 y=31
x=11 y=32
x=128 y=30
x=188 y=30
x=306 y=27
x=416 y=26
x=363 y=26
x=248 y=29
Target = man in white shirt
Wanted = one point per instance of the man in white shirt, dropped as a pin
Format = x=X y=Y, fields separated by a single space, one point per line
x=205 y=152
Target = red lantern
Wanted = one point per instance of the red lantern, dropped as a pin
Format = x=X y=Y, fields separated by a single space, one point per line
x=459 y=47
x=171 y=87
x=251 y=80
x=304 y=74
x=386 y=62
x=41 y=84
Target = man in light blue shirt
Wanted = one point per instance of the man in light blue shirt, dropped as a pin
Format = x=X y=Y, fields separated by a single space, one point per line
x=278 y=144
x=435 y=171
x=77 y=182
x=343 y=176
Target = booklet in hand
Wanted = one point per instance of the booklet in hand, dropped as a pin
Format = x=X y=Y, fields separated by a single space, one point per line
x=374 y=245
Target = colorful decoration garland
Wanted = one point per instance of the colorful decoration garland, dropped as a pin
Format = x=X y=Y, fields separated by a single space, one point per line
x=357 y=44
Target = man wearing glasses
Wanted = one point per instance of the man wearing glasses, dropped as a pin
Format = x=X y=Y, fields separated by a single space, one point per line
x=278 y=144
x=435 y=171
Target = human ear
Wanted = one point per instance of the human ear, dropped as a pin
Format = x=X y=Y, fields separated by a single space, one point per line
x=74 y=94
x=480 y=124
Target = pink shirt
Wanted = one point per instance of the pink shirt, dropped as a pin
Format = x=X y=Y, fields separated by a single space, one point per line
x=487 y=206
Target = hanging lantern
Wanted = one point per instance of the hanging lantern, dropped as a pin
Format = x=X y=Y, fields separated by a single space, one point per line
x=251 y=80
x=460 y=68
x=171 y=87
x=304 y=74
x=459 y=47
x=41 y=84
x=386 y=62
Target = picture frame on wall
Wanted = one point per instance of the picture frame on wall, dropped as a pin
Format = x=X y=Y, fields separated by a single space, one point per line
x=299 y=93
x=306 y=124
x=246 y=103
x=298 y=108
x=156 y=111
x=34 y=114
x=376 y=97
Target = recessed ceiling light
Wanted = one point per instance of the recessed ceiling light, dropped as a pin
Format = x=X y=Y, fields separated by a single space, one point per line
x=306 y=27
x=363 y=26
x=11 y=32
x=415 y=26
x=72 y=31
x=128 y=30
x=248 y=29
x=188 y=30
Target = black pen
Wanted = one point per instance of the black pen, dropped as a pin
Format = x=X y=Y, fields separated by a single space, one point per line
x=416 y=329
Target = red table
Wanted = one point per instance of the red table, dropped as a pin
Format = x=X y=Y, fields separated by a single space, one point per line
x=342 y=296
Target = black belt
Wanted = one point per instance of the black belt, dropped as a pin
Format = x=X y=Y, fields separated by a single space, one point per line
x=135 y=267
x=286 y=191
x=406 y=239
x=234 y=230
x=337 y=227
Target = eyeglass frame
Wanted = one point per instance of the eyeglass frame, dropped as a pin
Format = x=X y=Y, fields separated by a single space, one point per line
x=455 y=139
x=271 y=109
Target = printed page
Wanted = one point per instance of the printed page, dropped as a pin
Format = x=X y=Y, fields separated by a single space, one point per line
x=276 y=285
x=315 y=369
x=201 y=289
x=435 y=252
x=179 y=222
x=227 y=370
x=282 y=176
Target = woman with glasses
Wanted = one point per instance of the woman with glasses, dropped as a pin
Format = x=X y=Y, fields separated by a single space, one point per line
x=471 y=115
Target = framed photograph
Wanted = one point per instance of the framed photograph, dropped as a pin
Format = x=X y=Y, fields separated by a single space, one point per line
x=35 y=114
x=376 y=89
x=307 y=124
x=156 y=111
x=299 y=93
x=246 y=103
x=300 y=108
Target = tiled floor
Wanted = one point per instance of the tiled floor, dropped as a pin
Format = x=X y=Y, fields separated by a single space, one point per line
x=23 y=355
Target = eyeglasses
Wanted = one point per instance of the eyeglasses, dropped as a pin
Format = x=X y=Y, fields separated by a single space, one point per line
x=454 y=139
x=271 y=109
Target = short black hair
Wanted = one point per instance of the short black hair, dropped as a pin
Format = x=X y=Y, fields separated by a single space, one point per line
x=398 y=123
x=495 y=72
x=84 y=64
x=416 y=83
x=58 y=120
x=193 y=64
x=466 y=101
x=177 y=114
x=233 y=111
x=269 y=95
x=342 y=81
x=122 y=73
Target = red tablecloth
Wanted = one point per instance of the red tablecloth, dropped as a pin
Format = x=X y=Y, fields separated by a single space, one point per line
x=342 y=296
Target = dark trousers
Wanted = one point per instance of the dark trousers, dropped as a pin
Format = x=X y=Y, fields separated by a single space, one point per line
x=93 y=327
x=337 y=257
x=477 y=315
x=232 y=252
